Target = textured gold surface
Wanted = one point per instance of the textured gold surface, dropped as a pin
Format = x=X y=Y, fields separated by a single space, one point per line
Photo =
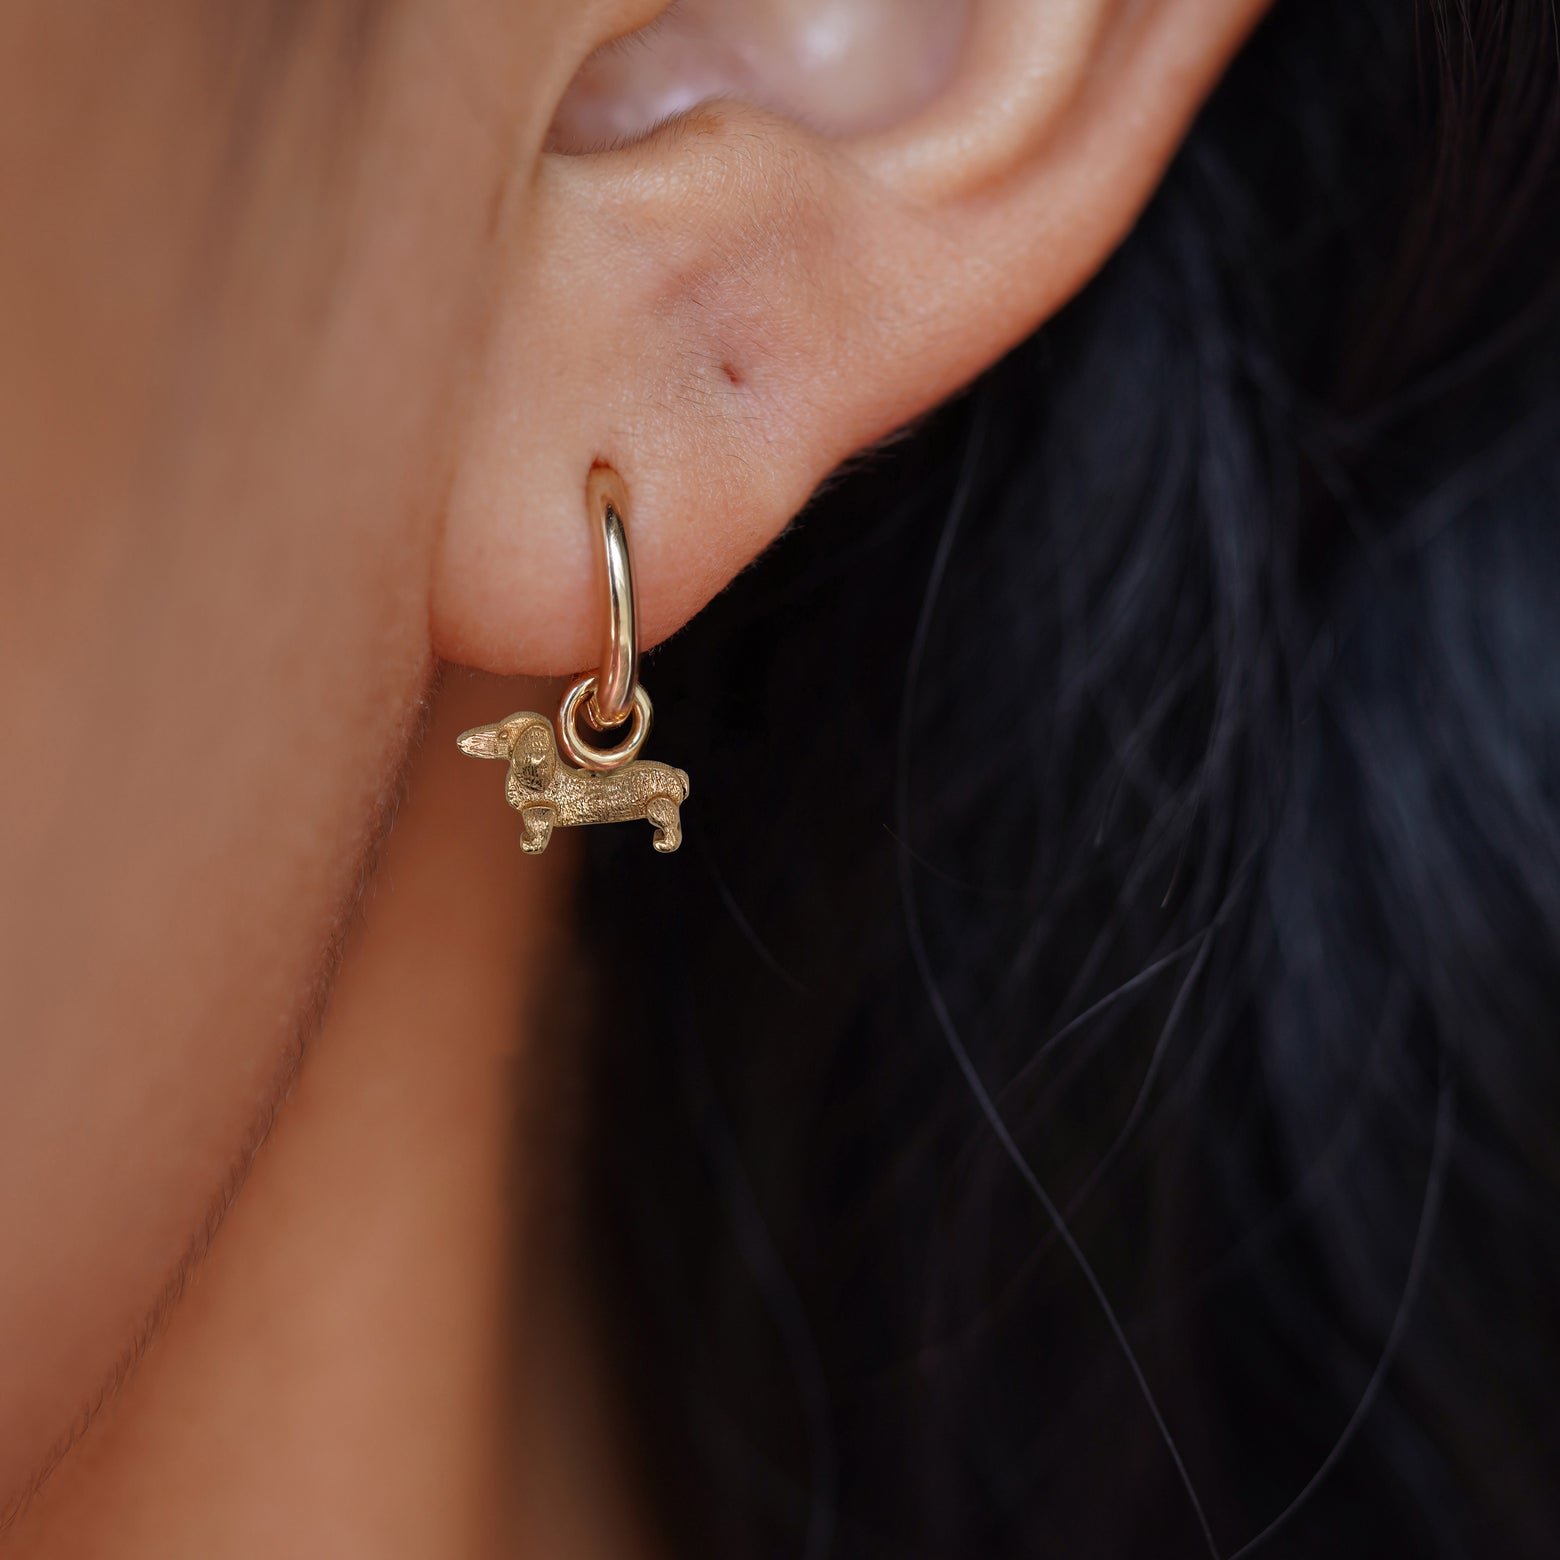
x=549 y=793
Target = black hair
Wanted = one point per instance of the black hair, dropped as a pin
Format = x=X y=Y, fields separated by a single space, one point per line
x=1089 y=1085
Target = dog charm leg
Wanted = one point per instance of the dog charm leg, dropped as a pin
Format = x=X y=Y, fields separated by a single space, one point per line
x=662 y=812
x=538 y=823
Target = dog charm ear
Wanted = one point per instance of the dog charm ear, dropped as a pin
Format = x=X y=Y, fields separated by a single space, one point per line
x=595 y=785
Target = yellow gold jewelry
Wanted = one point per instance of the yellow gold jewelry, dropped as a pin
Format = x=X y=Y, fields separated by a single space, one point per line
x=597 y=785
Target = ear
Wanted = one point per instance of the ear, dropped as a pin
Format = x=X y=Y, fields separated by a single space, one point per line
x=727 y=305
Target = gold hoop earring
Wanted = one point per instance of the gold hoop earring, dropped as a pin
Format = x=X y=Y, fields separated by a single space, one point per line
x=595 y=785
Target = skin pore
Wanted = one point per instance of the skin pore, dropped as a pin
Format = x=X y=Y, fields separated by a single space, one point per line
x=307 y=344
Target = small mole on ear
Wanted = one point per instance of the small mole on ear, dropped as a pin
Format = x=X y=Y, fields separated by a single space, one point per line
x=732 y=372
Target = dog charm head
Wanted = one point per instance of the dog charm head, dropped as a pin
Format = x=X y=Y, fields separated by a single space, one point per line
x=498 y=741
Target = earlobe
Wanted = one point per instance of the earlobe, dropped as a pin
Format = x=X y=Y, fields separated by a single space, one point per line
x=727 y=308
x=666 y=324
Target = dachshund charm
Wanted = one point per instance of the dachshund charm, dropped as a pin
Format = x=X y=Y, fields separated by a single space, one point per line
x=548 y=793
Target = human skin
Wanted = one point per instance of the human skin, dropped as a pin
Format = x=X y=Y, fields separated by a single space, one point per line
x=333 y=1383
x=307 y=344
x=217 y=535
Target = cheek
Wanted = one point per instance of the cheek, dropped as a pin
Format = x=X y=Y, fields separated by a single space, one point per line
x=218 y=522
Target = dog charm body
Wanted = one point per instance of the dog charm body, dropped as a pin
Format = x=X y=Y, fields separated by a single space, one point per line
x=548 y=793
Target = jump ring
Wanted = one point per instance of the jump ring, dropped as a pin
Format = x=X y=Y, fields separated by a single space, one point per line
x=614 y=699
x=582 y=754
